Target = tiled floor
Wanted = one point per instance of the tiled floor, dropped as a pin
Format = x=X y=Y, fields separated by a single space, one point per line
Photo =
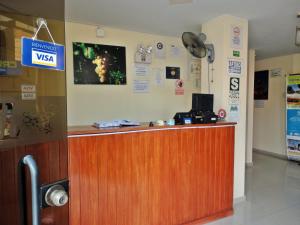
x=273 y=194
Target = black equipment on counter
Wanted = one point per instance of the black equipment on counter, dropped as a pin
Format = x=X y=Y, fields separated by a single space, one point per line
x=202 y=102
x=202 y=111
x=183 y=118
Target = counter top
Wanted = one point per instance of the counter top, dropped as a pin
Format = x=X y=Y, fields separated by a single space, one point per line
x=90 y=130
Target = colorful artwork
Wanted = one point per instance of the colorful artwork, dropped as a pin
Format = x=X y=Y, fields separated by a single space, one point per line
x=293 y=92
x=293 y=145
x=99 y=64
x=293 y=122
x=293 y=117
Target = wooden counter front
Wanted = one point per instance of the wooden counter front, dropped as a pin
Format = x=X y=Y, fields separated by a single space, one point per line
x=165 y=176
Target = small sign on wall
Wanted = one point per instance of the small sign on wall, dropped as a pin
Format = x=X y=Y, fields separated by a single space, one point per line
x=141 y=70
x=172 y=72
x=234 y=90
x=28 y=96
x=141 y=86
x=195 y=67
x=234 y=99
x=234 y=113
x=236 y=37
x=28 y=88
x=276 y=72
x=236 y=53
x=179 y=89
x=42 y=54
x=235 y=67
x=28 y=92
x=160 y=50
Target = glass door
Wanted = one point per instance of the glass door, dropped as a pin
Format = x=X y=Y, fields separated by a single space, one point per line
x=33 y=123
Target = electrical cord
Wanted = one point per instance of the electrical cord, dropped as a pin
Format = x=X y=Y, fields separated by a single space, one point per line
x=208 y=77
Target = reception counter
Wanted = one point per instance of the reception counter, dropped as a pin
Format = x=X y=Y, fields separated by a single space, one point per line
x=144 y=175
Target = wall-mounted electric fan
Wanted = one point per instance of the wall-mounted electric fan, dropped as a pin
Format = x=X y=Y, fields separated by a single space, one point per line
x=196 y=46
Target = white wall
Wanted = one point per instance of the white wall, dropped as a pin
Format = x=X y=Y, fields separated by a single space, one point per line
x=90 y=103
x=296 y=63
x=250 y=106
x=269 y=121
x=218 y=32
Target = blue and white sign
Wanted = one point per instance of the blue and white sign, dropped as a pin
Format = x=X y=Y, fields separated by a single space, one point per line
x=42 y=54
x=293 y=122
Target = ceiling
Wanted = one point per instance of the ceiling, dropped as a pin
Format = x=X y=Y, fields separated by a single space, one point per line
x=272 y=23
x=53 y=9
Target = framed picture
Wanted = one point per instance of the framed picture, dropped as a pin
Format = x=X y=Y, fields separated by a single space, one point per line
x=172 y=72
x=261 y=85
x=99 y=64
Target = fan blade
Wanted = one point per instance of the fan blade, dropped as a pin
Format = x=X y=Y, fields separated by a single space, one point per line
x=194 y=44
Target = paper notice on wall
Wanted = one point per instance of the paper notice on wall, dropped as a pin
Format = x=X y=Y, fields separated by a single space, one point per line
x=179 y=87
x=234 y=113
x=235 y=67
x=28 y=96
x=277 y=72
x=158 y=76
x=28 y=88
x=195 y=67
x=234 y=99
x=236 y=37
x=141 y=86
x=28 y=92
x=141 y=70
x=160 y=50
x=234 y=90
x=197 y=83
x=175 y=51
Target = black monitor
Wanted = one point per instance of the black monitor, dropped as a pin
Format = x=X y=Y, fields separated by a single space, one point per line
x=203 y=102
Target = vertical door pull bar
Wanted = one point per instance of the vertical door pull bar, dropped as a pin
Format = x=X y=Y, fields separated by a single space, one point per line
x=29 y=161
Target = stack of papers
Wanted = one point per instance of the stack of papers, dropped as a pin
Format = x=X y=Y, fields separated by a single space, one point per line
x=116 y=123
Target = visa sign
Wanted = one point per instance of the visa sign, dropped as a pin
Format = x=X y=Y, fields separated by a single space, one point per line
x=44 y=58
x=42 y=54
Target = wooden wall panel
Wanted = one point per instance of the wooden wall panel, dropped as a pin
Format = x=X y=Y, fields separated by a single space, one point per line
x=166 y=177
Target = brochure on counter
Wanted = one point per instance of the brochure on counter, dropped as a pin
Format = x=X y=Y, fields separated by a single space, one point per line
x=115 y=123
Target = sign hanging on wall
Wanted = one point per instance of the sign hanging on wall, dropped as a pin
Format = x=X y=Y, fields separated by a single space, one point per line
x=160 y=50
x=42 y=54
x=179 y=89
x=28 y=91
x=293 y=117
x=172 y=72
x=276 y=72
x=234 y=99
x=234 y=113
x=235 y=67
x=234 y=90
x=236 y=37
x=236 y=53
x=141 y=86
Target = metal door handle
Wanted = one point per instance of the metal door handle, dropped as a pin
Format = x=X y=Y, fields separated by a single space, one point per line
x=29 y=161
